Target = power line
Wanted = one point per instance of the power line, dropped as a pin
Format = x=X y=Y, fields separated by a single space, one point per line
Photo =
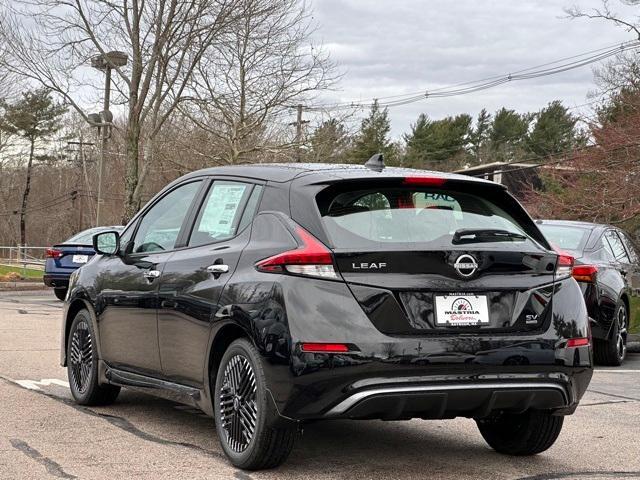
x=62 y=199
x=38 y=208
x=465 y=88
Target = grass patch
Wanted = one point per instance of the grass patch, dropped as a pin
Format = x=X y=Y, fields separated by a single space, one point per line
x=29 y=273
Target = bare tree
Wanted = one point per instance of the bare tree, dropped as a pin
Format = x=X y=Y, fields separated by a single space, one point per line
x=606 y=13
x=599 y=182
x=245 y=88
x=52 y=41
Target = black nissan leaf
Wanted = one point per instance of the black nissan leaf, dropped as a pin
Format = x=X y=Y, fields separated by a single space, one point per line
x=273 y=295
x=607 y=268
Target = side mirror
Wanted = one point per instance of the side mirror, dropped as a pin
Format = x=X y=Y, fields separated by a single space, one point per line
x=106 y=243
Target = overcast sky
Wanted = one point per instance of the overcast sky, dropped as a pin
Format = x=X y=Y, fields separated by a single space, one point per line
x=390 y=47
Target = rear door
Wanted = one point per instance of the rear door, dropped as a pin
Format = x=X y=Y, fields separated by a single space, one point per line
x=435 y=259
x=194 y=277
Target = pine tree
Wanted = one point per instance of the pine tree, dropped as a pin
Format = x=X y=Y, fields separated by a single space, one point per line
x=373 y=137
x=508 y=134
x=438 y=144
x=329 y=142
x=34 y=117
x=554 y=131
x=479 y=137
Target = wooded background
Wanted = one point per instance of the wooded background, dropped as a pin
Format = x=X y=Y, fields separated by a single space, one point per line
x=218 y=82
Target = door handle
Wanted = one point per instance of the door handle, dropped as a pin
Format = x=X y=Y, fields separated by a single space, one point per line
x=218 y=268
x=151 y=274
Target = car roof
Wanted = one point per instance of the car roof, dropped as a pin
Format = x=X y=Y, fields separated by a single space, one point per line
x=596 y=230
x=285 y=172
x=573 y=223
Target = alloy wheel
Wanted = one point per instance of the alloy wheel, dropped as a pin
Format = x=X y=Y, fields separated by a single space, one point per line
x=81 y=356
x=621 y=338
x=238 y=405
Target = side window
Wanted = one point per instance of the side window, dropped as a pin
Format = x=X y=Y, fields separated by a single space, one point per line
x=605 y=251
x=220 y=213
x=250 y=208
x=631 y=249
x=160 y=226
x=617 y=248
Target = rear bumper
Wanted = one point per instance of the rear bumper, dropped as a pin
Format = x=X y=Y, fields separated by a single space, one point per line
x=56 y=280
x=449 y=400
x=377 y=389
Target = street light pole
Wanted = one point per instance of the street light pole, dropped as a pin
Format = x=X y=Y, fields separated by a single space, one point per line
x=104 y=62
x=103 y=146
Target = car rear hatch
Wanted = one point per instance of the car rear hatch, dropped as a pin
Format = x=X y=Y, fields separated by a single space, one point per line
x=434 y=257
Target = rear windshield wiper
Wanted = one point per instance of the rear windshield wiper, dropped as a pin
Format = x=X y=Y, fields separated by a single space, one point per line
x=477 y=235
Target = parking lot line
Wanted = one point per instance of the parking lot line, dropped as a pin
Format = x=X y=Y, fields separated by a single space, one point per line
x=616 y=371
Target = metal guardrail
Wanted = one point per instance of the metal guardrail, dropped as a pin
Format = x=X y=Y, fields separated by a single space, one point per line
x=23 y=256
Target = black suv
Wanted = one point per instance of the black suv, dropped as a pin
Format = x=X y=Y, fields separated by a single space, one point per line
x=607 y=269
x=273 y=295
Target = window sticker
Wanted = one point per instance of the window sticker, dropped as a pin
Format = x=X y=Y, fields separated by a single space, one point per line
x=221 y=208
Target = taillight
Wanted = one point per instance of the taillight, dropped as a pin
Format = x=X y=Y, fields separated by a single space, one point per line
x=578 y=342
x=585 y=273
x=325 y=348
x=52 y=253
x=311 y=258
x=425 y=181
x=564 y=264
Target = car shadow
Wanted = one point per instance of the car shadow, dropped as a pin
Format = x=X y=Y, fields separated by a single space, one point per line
x=340 y=448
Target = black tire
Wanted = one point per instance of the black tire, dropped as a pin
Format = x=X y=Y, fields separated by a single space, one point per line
x=240 y=393
x=526 y=433
x=613 y=351
x=82 y=364
x=60 y=293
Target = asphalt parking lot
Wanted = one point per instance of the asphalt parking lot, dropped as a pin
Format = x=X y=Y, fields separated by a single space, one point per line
x=44 y=435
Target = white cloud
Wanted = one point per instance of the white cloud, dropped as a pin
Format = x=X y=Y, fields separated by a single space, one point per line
x=391 y=47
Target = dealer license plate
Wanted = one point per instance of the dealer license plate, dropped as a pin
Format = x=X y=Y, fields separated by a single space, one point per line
x=461 y=310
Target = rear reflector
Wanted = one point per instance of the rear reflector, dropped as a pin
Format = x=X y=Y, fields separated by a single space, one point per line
x=311 y=258
x=578 y=342
x=425 y=181
x=585 y=273
x=52 y=253
x=325 y=347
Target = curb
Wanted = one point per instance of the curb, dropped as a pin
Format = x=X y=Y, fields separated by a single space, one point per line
x=22 y=286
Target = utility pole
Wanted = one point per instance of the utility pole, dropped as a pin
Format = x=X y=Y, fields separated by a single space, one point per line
x=298 y=123
x=85 y=177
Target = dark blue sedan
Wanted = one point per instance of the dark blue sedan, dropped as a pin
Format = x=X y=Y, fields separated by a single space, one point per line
x=64 y=258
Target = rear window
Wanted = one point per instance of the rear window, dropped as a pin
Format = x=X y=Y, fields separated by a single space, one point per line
x=566 y=237
x=429 y=217
x=86 y=237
